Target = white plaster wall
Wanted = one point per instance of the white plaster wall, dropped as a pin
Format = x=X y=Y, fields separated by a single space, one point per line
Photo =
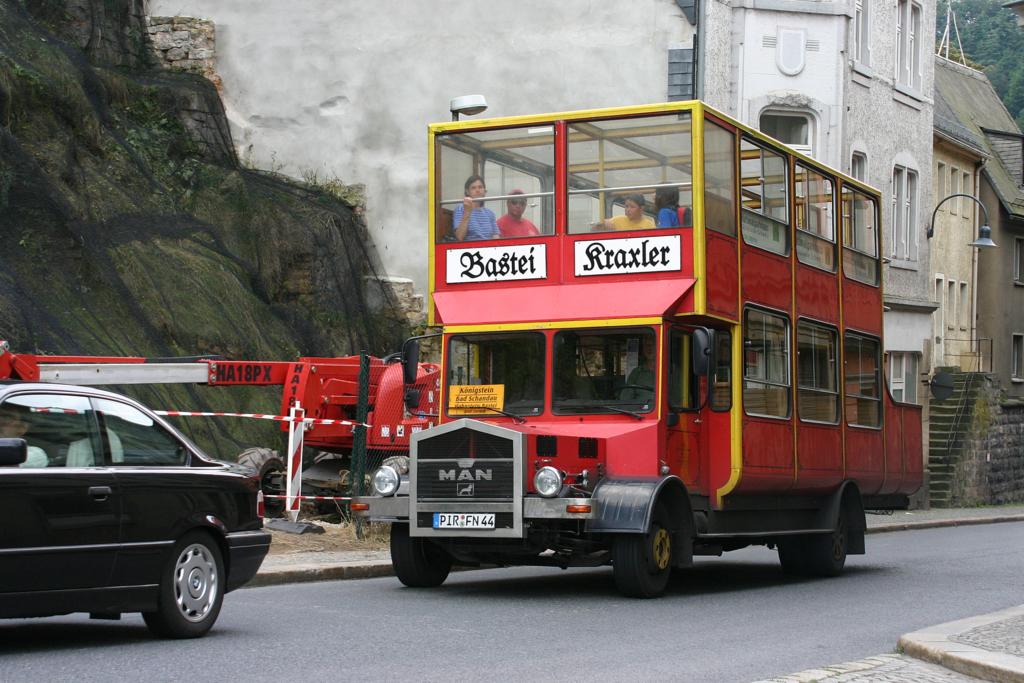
x=906 y=331
x=815 y=90
x=347 y=89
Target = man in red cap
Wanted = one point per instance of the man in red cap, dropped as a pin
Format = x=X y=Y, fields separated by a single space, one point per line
x=512 y=224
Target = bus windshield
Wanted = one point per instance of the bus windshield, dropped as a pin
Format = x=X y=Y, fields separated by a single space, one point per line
x=489 y=374
x=601 y=371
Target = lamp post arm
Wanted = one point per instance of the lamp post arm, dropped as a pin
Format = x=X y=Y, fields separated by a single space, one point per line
x=984 y=211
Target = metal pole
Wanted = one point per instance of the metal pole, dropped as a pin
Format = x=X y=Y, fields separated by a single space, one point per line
x=359 y=434
x=293 y=488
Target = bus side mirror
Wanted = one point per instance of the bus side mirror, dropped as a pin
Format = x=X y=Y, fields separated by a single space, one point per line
x=410 y=360
x=703 y=345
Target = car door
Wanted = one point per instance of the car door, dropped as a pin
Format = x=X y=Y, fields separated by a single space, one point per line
x=161 y=495
x=60 y=518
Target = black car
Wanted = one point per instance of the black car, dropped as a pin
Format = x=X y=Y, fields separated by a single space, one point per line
x=105 y=508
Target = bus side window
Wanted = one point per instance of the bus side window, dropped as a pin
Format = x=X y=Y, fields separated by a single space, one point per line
x=682 y=384
x=721 y=377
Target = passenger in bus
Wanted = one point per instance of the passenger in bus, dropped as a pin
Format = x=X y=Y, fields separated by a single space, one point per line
x=472 y=220
x=14 y=426
x=512 y=224
x=670 y=214
x=634 y=218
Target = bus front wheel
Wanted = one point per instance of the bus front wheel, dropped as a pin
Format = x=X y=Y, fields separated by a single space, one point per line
x=642 y=563
x=418 y=563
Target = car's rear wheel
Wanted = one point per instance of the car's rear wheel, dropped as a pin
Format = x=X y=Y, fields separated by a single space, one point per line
x=418 y=563
x=191 y=589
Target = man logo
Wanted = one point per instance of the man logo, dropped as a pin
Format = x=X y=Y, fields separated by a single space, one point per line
x=465 y=475
x=465 y=490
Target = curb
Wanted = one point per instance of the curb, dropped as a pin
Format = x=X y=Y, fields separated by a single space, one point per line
x=308 y=572
x=935 y=645
x=370 y=569
x=939 y=523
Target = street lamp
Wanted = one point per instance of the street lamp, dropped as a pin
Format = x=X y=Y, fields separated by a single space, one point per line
x=468 y=105
x=984 y=240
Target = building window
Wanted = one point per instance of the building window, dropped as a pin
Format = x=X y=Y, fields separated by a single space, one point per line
x=1017 y=360
x=940 y=180
x=863 y=398
x=766 y=379
x=908 y=44
x=904 y=214
x=965 y=312
x=965 y=187
x=951 y=298
x=794 y=129
x=954 y=181
x=861 y=32
x=816 y=378
x=859 y=165
x=903 y=369
x=1018 y=260
x=939 y=315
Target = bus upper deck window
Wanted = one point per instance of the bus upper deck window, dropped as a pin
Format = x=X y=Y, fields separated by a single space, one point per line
x=508 y=175
x=630 y=173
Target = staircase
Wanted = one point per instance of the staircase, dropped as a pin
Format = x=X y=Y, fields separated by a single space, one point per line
x=950 y=422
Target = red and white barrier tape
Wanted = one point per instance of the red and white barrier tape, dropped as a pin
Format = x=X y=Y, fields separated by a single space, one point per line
x=258 y=416
x=270 y=495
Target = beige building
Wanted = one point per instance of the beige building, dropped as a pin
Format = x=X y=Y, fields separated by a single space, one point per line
x=958 y=157
x=970 y=101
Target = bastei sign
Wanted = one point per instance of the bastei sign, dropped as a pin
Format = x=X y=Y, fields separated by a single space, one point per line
x=628 y=255
x=497 y=264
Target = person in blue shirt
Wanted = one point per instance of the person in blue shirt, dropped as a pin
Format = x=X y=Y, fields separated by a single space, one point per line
x=670 y=214
x=472 y=220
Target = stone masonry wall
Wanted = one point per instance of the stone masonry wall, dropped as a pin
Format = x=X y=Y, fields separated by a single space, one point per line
x=185 y=43
x=991 y=471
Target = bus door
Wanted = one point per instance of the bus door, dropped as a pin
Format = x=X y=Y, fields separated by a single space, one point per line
x=683 y=454
x=702 y=405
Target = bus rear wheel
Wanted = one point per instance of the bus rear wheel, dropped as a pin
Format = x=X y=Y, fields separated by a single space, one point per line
x=418 y=563
x=642 y=563
x=817 y=554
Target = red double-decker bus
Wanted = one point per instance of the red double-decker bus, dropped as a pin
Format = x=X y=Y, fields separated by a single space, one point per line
x=662 y=337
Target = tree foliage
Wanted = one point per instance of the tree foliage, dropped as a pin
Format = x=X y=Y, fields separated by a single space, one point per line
x=991 y=39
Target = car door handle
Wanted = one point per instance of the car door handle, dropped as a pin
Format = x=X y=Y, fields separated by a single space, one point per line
x=99 y=493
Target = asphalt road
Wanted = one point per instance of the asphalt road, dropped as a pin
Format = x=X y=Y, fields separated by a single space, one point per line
x=735 y=618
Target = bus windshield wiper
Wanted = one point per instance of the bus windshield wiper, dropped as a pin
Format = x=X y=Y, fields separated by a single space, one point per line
x=614 y=409
x=518 y=418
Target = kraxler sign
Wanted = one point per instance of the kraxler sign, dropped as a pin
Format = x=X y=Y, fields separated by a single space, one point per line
x=497 y=264
x=628 y=255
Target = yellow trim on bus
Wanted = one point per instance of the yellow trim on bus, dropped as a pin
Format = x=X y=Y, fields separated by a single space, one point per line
x=560 y=324
x=700 y=289
x=735 y=418
x=470 y=124
x=431 y=227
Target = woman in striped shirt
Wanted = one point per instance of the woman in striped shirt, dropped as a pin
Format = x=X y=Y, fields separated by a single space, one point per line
x=472 y=220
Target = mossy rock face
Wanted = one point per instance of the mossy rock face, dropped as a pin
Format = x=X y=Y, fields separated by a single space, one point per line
x=127 y=227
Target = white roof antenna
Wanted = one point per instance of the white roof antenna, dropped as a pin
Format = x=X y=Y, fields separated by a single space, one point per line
x=945 y=41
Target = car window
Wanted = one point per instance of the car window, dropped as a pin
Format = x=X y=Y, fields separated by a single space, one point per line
x=135 y=438
x=60 y=430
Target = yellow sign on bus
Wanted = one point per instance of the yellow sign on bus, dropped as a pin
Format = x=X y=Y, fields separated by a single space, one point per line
x=473 y=399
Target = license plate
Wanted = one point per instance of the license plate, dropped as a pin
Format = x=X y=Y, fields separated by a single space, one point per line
x=459 y=520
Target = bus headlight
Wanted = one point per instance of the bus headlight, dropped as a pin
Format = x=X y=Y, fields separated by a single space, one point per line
x=547 y=482
x=386 y=480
